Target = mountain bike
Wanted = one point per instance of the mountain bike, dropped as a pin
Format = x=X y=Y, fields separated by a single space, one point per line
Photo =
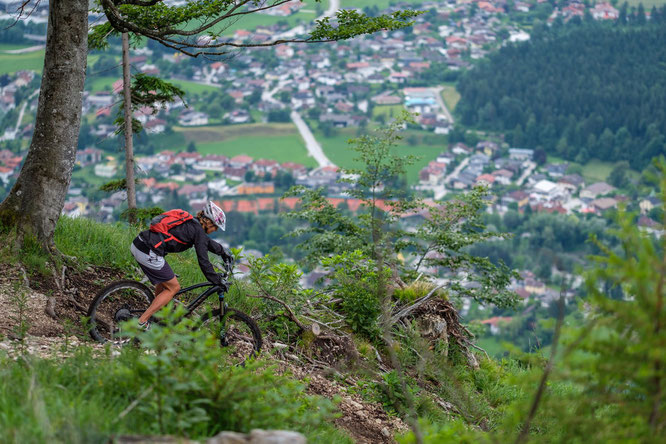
x=124 y=300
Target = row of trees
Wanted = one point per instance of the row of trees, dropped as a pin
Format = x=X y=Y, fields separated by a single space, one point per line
x=581 y=90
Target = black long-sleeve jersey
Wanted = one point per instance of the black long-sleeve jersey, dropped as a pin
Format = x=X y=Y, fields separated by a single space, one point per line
x=190 y=233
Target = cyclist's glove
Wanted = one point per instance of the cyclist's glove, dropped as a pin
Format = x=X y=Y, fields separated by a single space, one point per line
x=227 y=258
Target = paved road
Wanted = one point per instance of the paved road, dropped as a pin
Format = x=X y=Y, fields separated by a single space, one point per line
x=438 y=95
x=313 y=147
x=20 y=117
x=526 y=173
x=267 y=96
x=25 y=50
x=457 y=170
x=333 y=6
x=310 y=142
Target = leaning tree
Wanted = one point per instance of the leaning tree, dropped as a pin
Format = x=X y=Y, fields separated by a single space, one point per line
x=195 y=28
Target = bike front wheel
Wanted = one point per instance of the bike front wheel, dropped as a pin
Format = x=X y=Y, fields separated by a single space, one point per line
x=114 y=304
x=237 y=332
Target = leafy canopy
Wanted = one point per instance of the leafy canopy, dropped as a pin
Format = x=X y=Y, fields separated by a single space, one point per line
x=195 y=28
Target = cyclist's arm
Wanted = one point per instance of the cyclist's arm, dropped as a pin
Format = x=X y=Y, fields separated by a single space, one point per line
x=201 y=246
x=217 y=248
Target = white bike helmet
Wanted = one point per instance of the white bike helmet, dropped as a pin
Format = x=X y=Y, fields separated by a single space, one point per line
x=215 y=213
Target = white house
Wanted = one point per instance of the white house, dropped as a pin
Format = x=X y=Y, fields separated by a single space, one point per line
x=193 y=119
x=105 y=170
x=548 y=190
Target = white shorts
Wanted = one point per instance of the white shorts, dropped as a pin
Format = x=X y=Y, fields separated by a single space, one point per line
x=152 y=260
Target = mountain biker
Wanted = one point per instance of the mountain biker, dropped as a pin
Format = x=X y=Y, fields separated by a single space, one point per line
x=150 y=247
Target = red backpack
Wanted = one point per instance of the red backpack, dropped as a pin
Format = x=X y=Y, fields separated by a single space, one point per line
x=166 y=221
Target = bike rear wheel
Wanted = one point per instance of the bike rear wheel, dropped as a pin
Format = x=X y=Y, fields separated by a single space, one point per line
x=242 y=337
x=114 y=304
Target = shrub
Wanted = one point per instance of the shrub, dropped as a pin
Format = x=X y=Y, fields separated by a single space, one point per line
x=356 y=280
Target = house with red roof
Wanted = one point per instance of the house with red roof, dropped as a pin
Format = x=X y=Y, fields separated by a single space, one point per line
x=335 y=201
x=235 y=173
x=226 y=205
x=240 y=161
x=604 y=11
x=188 y=158
x=266 y=203
x=264 y=166
x=155 y=126
x=242 y=34
x=193 y=191
x=296 y=168
x=485 y=179
x=88 y=156
x=247 y=206
x=149 y=182
x=289 y=203
x=496 y=323
x=167 y=186
x=103 y=112
x=5 y=174
x=256 y=188
x=455 y=42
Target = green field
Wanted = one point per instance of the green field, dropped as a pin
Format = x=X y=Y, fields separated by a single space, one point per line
x=87 y=175
x=281 y=148
x=223 y=132
x=192 y=88
x=388 y=111
x=11 y=46
x=451 y=97
x=340 y=153
x=280 y=142
x=492 y=346
x=597 y=170
x=249 y=22
x=96 y=84
x=33 y=61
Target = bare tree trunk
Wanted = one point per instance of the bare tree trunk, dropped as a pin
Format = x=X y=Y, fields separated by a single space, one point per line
x=129 y=148
x=35 y=202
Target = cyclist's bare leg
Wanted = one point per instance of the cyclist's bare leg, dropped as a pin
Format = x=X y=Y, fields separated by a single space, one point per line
x=168 y=291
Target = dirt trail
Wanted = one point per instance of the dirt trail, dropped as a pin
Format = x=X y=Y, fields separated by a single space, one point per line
x=366 y=422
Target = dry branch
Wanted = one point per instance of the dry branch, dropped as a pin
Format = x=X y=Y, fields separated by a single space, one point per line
x=290 y=312
x=407 y=310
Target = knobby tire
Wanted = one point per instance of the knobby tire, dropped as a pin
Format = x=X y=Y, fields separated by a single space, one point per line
x=237 y=316
x=116 y=287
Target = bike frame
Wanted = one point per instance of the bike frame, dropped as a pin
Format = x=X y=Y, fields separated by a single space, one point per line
x=202 y=297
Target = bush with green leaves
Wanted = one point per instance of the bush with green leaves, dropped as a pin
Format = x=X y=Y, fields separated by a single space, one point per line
x=356 y=279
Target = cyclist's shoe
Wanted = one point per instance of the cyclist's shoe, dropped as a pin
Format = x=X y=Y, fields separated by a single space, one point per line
x=144 y=326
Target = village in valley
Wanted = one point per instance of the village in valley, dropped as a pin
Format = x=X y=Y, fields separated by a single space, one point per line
x=318 y=93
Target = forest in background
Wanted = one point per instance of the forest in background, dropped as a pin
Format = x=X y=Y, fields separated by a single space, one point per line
x=579 y=90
